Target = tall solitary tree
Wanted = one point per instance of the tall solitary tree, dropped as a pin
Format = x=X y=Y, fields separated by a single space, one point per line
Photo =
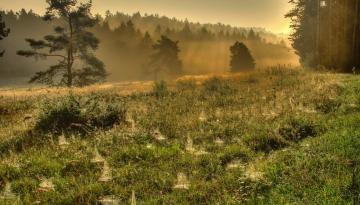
x=241 y=58
x=165 y=58
x=72 y=44
x=4 y=32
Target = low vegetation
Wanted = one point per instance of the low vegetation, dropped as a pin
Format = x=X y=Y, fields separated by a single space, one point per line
x=278 y=136
x=80 y=113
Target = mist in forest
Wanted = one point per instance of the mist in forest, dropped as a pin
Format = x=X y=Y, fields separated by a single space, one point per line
x=126 y=45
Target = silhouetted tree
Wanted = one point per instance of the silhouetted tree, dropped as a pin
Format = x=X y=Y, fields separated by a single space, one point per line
x=205 y=34
x=252 y=36
x=71 y=44
x=129 y=29
x=147 y=41
x=4 y=32
x=158 y=31
x=241 y=58
x=186 y=32
x=165 y=58
x=128 y=53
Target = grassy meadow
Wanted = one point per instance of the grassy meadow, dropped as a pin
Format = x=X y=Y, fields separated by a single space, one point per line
x=275 y=136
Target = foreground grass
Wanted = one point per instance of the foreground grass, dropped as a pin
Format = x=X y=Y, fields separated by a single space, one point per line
x=273 y=137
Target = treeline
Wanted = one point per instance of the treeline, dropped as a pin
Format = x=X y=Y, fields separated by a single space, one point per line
x=184 y=30
x=327 y=33
x=126 y=45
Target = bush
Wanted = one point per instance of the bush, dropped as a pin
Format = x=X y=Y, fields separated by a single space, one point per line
x=80 y=113
x=160 y=89
x=297 y=129
x=217 y=85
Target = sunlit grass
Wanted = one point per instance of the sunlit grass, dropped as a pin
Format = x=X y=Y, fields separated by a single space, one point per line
x=277 y=136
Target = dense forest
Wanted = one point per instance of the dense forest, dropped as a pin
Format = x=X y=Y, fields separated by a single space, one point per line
x=326 y=33
x=126 y=45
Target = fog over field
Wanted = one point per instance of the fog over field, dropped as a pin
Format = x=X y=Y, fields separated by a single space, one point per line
x=204 y=48
x=205 y=102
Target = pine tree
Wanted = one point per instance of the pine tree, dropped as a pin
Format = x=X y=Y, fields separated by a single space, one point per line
x=146 y=41
x=130 y=29
x=241 y=58
x=158 y=31
x=4 y=32
x=165 y=58
x=252 y=36
x=72 y=45
x=205 y=34
x=186 y=33
x=168 y=32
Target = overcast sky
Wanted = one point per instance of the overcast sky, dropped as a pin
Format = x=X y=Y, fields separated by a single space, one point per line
x=257 y=13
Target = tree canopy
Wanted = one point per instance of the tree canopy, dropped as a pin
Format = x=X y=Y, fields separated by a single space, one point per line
x=326 y=33
x=72 y=44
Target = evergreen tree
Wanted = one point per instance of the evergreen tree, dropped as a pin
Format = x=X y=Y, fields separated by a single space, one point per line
x=326 y=33
x=71 y=45
x=205 y=34
x=241 y=58
x=165 y=59
x=303 y=22
x=4 y=32
x=252 y=36
x=158 y=31
x=186 y=33
x=130 y=29
x=147 y=41
x=168 y=32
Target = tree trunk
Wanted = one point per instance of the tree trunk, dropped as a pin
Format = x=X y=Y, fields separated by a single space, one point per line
x=355 y=35
x=70 y=57
x=318 y=34
x=331 y=66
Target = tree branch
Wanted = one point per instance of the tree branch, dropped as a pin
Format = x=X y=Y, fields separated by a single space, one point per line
x=37 y=54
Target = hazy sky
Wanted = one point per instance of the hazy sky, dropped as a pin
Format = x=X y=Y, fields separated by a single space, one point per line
x=258 y=13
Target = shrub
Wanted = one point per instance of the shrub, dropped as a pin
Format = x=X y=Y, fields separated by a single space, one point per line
x=80 y=113
x=160 y=89
x=296 y=129
x=217 y=85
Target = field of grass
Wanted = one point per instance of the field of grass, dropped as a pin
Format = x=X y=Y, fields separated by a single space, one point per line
x=277 y=136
